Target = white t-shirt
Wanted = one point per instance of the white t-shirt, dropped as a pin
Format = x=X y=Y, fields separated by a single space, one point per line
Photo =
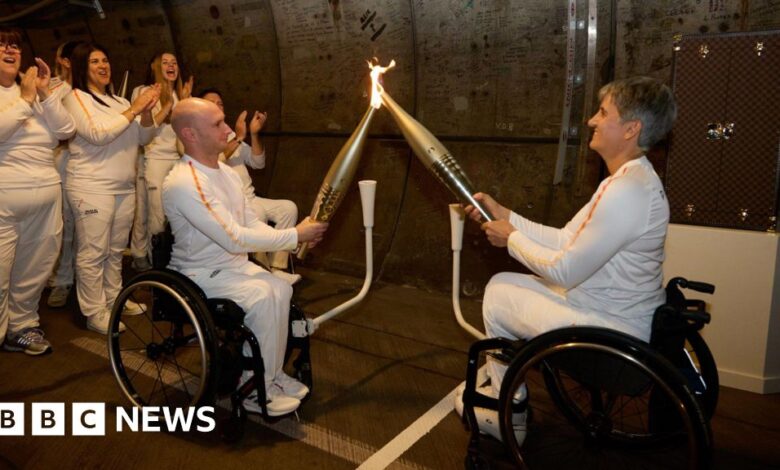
x=609 y=256
x=28 y=136
x=103 y=153
x=212 y=223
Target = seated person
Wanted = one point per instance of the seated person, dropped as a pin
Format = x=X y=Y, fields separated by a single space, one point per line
x=604 y=267
x=214 y=229
x=238 y=156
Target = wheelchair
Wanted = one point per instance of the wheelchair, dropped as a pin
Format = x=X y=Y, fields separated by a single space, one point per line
x=185 y=350
x=598 y=398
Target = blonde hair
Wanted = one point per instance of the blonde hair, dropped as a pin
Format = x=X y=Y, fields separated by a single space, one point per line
x=156 y=76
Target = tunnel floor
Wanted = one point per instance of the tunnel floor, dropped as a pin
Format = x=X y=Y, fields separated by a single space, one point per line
x=382 y=375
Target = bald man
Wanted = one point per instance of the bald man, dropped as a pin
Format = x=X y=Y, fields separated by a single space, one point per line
x=214 y=229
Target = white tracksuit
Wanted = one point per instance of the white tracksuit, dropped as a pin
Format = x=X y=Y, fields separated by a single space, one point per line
x=100 y=184
x=159 y=157
x=64 y=268
x=30 y=203
x=214 y=229
x=283 y=213
x=604 y=268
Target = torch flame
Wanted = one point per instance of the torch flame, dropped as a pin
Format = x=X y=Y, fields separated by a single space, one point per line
x=376 y=88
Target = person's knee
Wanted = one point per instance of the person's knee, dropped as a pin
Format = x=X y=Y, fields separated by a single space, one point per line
x=289 y=207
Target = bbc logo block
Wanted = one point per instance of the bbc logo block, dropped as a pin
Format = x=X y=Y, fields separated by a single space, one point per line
x=11 y=419
x=48 y=419
x=51 y=419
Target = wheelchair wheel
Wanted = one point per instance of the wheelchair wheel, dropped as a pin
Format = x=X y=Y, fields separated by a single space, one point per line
x=602 y=399
x=167 y=356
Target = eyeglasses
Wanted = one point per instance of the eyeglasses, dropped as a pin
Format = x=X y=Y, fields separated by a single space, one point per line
x=10 y=47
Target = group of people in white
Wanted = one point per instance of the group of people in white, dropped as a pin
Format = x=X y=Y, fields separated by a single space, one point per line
x=81 y=168
x=69 y=156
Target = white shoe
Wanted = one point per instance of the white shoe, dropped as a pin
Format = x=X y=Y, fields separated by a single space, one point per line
x=277 y=403
x=58 y=296
x=292 y=279
x=487 y=419
x=99 y=322
x=290 y=386
x=133 y=308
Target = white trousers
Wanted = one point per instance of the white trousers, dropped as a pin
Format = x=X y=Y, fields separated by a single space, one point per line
x=284 y=214
x=30 y=235
x=65 y=265
x=156 y=171
x=66 y=262
x=139 y=240
x=103 y=225
x=266 y=301
x=522 y=306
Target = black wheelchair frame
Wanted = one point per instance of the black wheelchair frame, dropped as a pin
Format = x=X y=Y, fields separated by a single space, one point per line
x=604 y=395
x=184 y=333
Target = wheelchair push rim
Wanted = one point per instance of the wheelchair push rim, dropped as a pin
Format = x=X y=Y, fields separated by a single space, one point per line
x=574 y=421
x=165 y=356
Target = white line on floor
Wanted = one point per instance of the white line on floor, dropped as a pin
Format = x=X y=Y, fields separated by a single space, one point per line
x=311 y=434
x=413 y=433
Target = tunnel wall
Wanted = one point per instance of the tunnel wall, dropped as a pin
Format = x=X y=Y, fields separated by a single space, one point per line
x=487 y=77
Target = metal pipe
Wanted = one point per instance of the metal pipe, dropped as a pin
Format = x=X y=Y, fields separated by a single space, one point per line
x=457 y=220
x=367 y=195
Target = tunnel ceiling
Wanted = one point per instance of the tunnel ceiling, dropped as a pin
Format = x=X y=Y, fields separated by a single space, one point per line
x=486 y=76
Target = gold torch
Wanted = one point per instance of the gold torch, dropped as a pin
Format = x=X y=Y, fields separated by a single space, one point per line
x=344 y=167
x=434 y=155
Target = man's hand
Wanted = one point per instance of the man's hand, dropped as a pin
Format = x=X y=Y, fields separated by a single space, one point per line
x=495 y=209
x=498 y=232
x=257 y=122
x=241 y=127
x=311 y=232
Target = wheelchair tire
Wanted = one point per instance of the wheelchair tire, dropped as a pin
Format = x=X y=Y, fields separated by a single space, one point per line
x=596 y=395
x=167 y=355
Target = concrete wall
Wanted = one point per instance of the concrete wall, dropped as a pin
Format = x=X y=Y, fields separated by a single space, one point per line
x=486 y=76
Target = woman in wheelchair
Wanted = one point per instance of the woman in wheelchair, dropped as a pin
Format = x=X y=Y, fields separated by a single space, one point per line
x=604 y=267
x=214 y=229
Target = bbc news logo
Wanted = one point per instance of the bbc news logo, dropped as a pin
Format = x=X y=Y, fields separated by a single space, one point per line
x=89 y=419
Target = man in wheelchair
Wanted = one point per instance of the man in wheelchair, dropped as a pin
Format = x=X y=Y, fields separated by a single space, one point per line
x=604 y=267
x=214 y=229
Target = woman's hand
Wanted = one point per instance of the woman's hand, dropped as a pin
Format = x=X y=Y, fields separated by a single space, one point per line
x=241 y=127
x=186 y=89
x=28 y=85
x=495 y=209
x=498 y=232
x=257 y=122
x=42 y=79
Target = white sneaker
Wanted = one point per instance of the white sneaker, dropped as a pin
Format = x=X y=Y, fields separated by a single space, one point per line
x=277 y=403
x=99 y=322
x=292 y=279
x=58 y=296
x=290 y=386
x=487 y=419
x=133 y=308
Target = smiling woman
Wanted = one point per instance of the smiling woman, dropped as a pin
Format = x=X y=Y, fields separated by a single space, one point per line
x=159 y=155
x=32 y=121
x=100 y=181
